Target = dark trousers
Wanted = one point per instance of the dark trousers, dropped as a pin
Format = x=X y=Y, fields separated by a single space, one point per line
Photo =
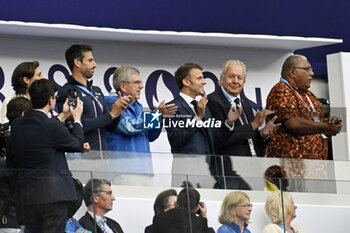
x=46 y=218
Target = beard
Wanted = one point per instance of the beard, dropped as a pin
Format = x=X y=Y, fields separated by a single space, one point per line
x=88 y=74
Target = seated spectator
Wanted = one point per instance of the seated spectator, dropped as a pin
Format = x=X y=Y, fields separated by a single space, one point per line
x=178 y=219
x=22 y=78
x=235 y=213
x=164 y=201
x=273 y=208
x=72 y=225
x=99 y=192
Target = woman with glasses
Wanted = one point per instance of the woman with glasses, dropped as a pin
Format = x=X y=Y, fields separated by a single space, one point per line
x=235 y=213
x=273 y=208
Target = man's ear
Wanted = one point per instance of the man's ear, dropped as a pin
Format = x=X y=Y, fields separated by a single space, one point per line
x=122 y=87
x=186 y=82
x=292 y=72
x=26 y=80
x=175 y=204
x=49 y=102
x=77 y=62
x=96 y=197
x=221 y=80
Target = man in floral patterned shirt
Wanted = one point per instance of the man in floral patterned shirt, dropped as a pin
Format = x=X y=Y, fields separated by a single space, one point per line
x=304 y=129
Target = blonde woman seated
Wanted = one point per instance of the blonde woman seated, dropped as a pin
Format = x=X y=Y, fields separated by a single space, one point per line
x=235 y=213
x=273 y=208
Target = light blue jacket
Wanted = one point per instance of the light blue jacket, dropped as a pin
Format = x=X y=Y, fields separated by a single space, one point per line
x=232 y=228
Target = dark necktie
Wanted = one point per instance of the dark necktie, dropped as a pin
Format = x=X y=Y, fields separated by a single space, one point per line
x=238 y=101
x=194 y=103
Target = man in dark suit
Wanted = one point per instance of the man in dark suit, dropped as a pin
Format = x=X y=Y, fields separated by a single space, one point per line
x=244 y=137
x=183 y=136
x=193 y=138
x=38 y=145
x=185 y=217
x=99 y=192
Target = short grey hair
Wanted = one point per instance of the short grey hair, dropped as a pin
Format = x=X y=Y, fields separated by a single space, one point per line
x=291 y=62
x=233 y=62
x=123 y=75
x=273 y=205
x=94 y=186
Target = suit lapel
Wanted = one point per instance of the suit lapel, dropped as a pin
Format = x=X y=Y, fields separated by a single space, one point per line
x=184 y=106
x=224 y=100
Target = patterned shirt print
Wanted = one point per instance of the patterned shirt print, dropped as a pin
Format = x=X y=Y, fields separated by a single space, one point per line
x=286 y=104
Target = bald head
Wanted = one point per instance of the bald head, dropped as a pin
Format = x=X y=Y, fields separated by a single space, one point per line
x=290 y=62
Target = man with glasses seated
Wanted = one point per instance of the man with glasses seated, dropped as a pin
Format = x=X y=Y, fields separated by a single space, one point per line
x=99 y=191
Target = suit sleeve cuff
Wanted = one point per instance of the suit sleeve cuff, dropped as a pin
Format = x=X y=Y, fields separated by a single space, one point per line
x=78 y=122
x=231 y=128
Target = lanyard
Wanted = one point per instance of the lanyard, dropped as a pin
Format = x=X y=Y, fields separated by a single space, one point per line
x=234 y=105
x=92 y=95
x=312 y=106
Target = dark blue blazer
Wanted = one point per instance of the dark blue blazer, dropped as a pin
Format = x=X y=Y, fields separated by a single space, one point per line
x=95 y=120
x=38 y=145
x=189 y=140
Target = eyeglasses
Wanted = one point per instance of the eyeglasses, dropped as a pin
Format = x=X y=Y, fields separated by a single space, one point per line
x=136 y=83
x=107 y=192
x=247 y=206
x=307 y=69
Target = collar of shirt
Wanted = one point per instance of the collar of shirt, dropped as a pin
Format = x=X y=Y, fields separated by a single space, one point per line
x=98 y=218
x=39 y=110
x=237 y=228
x=232 y=97
x=188 y=100
x=291 y=82
x=75 y=82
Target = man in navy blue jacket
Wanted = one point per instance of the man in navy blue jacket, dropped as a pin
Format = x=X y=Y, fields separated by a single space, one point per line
x=38 y=144
x=192 y=130
x=96 y=117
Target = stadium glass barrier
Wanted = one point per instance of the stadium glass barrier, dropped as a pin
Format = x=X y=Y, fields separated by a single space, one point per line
x=136 y=180
x=319 y=188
